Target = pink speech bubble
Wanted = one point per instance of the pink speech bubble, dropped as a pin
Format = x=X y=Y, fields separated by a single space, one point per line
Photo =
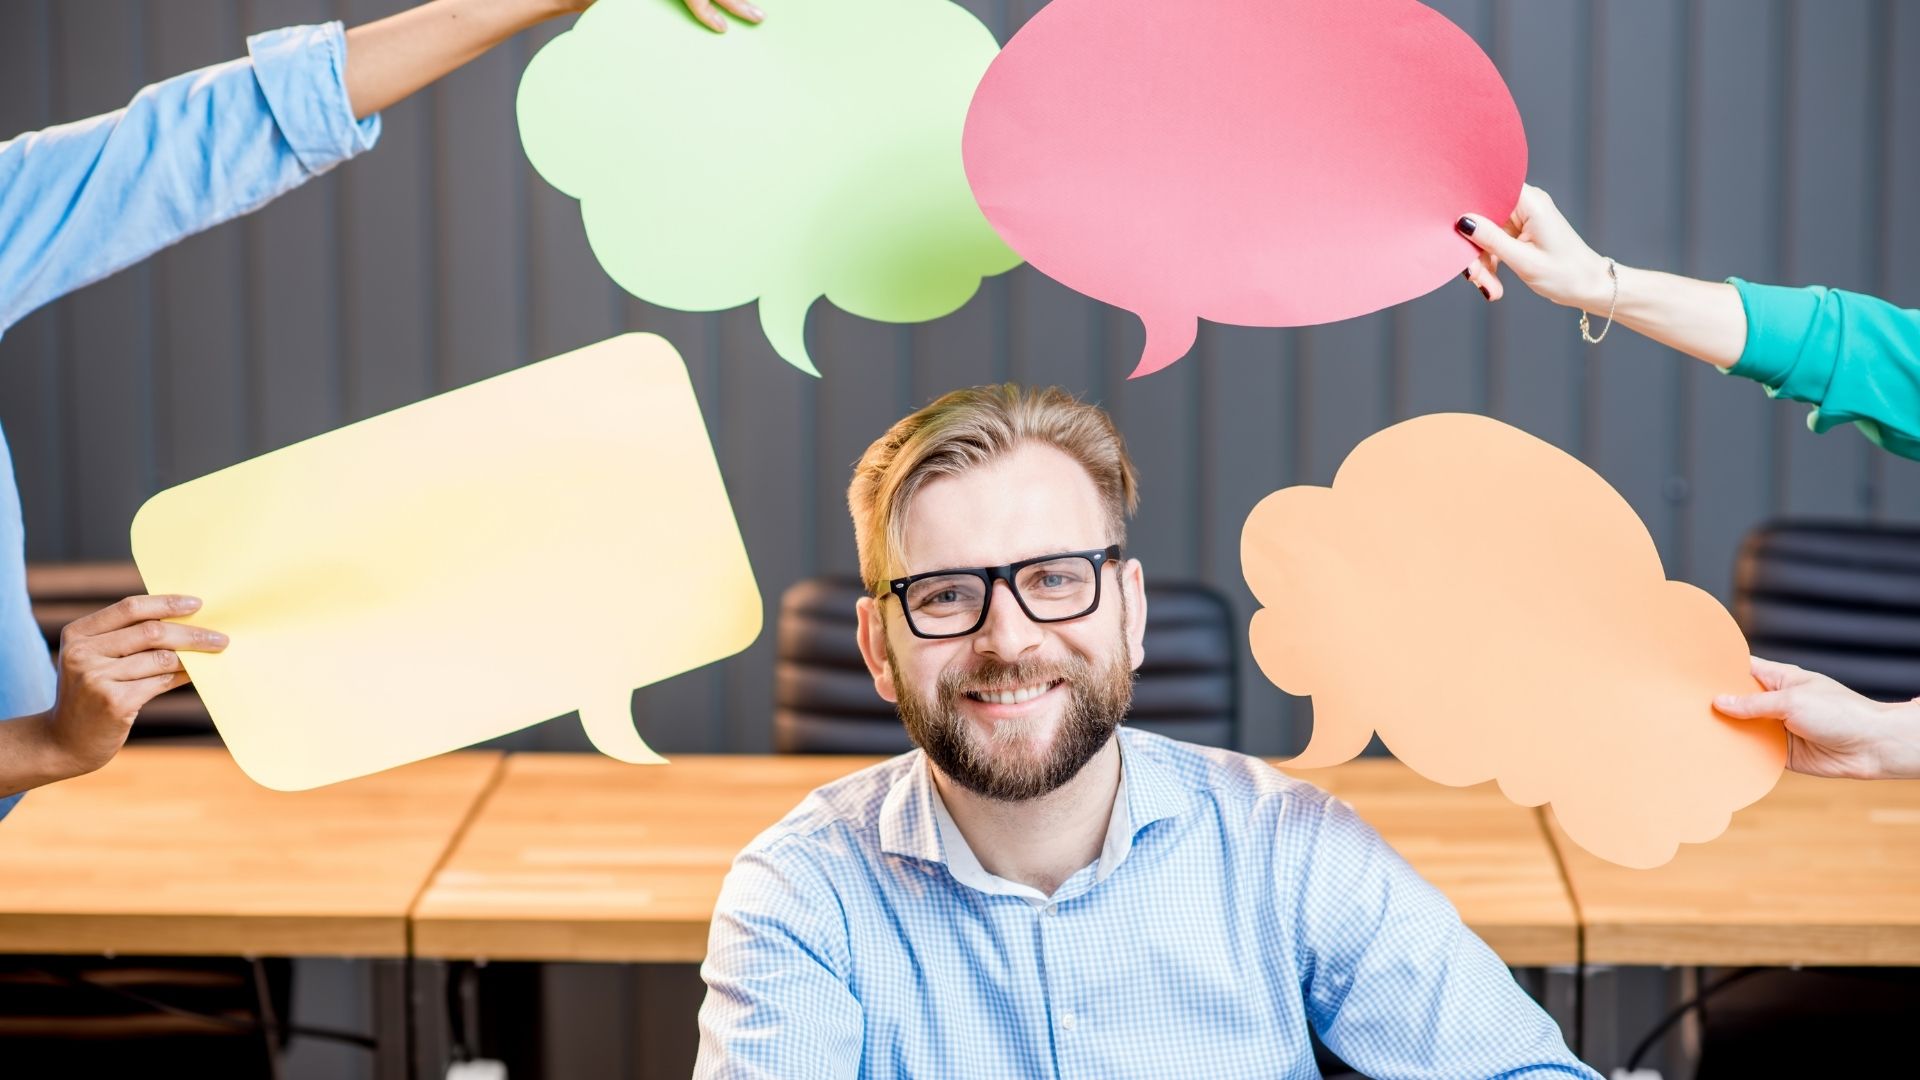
x=1259 y=162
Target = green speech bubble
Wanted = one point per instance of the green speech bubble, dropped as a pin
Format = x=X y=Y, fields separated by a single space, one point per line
x=815 y=155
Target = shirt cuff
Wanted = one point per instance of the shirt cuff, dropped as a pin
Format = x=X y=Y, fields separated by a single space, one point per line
x=1778 y=318
x=302 y=72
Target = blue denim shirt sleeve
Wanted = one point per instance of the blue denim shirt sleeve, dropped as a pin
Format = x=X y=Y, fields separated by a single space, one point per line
x=83 y=200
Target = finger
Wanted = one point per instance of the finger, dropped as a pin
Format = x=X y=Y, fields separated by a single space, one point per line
x=1484 y=279
x=1773 y=703
x=146 y=665
x=1533 y=202
x=744 y=10
x=134 y=609
x=1538 y=223
x=142 y=691
x=703 y=10
x=1490 y=237
x=1775 y=675
x=141 y=637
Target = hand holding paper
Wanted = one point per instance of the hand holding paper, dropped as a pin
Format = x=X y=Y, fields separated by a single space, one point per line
x=112 y=662
x=1260 y=162
x=540 y=542
x=714 y=12
x=1494 y=610
x=1831 y=730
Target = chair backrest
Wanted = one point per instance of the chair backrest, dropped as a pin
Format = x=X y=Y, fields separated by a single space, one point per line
x=1842 y=599
x=824 y=702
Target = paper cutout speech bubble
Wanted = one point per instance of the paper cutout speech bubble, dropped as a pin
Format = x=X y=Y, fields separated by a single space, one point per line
x=815 y=154
x=1259 y=162
x=461 y=568
x=1495 y=610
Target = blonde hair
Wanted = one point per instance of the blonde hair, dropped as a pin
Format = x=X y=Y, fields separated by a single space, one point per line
x=969 y=428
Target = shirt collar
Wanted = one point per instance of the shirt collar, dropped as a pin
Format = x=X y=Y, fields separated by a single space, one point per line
x=914 y=821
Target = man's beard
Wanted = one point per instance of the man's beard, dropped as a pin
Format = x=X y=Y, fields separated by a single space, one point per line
x=1004 y=766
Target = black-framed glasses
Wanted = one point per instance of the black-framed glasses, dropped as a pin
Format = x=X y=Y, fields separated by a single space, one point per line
x=1050 y=588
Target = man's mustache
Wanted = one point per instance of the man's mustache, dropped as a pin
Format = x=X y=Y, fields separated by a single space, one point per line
x=996 y=677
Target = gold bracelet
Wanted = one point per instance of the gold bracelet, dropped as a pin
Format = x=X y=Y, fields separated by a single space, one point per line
x=1586 y=334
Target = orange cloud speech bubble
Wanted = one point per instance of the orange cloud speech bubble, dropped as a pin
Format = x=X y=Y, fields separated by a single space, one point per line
x=1496 y=611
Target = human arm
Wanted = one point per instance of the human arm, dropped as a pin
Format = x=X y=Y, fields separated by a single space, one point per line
x=778 y=1001
x=112 y=663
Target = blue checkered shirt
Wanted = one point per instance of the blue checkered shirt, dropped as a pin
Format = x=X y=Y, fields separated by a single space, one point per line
x=1232 y=909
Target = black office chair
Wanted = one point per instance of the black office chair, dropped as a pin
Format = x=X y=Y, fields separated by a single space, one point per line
x=1842 y=599
x=99 y=1016
x=824 y=701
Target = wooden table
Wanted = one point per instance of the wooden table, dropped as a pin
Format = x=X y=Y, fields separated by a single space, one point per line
x=575 y=857
x=578 y=857
x=173 y=851
x=1820 y=872
x=1489 y=856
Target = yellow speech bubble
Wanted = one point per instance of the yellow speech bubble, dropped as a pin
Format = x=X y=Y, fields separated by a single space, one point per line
x=461 y=568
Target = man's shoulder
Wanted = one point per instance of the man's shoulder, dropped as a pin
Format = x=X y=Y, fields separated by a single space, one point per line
x=1241 y=784
x=842 y=816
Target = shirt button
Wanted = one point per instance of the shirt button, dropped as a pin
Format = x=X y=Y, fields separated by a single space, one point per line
x=1068 y=1021
x=1048 y=910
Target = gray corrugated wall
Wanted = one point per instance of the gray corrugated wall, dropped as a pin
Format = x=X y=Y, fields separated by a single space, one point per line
x=1778 y=140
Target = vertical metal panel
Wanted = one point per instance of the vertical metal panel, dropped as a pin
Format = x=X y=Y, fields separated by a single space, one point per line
x=1158 y=416
x=1245 y=452
x=867 y=385
x=108 y=327
x=1714 y=137
x=387 y=201
x=200 y=337
x=1732 y=185
x=32 y=352
x=294 y=318
x=688 y=712
x=1536 y=363
x=1897 y=480
x=765 y=445
x=481 y=220
x=1632 y=382
x=1828 y=223
x=1439 y=357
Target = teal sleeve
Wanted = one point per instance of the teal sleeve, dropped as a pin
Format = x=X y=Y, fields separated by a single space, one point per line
x=1854 y=358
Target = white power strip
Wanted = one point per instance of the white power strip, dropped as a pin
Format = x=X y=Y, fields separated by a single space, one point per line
x=477 y=1069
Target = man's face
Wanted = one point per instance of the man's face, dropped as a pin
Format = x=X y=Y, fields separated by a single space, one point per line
x=1015 y=709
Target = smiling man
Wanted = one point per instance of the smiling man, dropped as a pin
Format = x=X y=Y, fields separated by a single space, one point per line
x=1037 y=891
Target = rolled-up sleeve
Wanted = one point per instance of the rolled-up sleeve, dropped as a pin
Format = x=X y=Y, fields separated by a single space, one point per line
x=1854 y=358
x=81 y=201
